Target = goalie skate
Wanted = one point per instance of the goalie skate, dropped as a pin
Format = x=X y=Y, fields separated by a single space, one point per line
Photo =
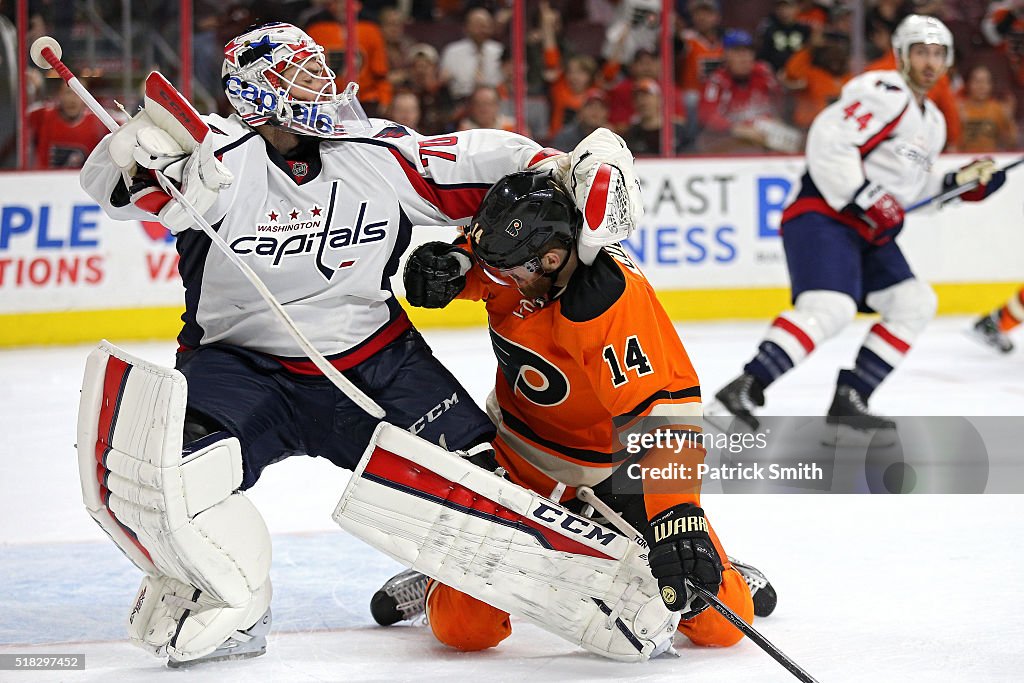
x=243 y=644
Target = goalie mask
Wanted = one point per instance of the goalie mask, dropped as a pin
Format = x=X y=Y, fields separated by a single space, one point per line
x=277 y=74
x=523 y=216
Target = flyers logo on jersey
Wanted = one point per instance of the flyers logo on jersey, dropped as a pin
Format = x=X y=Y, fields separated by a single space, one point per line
x=529 y=374
x=514 y=228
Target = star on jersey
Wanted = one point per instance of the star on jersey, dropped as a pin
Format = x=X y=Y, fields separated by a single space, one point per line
x=294 y=213
x=272 y=216
x=316 y=211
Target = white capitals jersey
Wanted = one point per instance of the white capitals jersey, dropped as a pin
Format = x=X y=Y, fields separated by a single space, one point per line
x=323 y=233
x=874 y=132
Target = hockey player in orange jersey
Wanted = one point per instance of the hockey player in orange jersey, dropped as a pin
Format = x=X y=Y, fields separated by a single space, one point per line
x=586 y=353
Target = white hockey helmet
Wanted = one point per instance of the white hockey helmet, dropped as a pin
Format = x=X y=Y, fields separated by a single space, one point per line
x=276 y=74
x=917 y=28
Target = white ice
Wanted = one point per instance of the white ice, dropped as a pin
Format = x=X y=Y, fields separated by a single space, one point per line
x=872 y=588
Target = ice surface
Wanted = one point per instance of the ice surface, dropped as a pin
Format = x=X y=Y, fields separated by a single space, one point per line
x=872 y=588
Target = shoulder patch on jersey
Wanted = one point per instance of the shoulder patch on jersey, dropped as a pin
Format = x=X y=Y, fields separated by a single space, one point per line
x=887 y=86
x=593 y=289
x=393 y=131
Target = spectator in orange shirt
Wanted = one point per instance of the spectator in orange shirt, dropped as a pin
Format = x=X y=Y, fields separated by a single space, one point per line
x=63 y=132
x=328 y=29
x=987 y=123
x=941 y=95
x=703 y=45
x=1003 y=27
x=567 y=92
x=817 y=74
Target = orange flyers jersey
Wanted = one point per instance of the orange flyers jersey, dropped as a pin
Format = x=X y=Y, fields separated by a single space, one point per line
x=601 y=352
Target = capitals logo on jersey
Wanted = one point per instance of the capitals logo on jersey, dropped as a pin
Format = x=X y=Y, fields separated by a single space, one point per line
x=312 y=231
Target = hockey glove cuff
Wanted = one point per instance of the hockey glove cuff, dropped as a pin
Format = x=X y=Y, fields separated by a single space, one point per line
x=874 y=205
x=681 y=548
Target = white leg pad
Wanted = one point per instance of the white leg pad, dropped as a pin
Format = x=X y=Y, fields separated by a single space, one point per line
x=174 y=514
x=507 y=546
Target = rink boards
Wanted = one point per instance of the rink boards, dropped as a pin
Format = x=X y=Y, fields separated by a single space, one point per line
x=708 y=242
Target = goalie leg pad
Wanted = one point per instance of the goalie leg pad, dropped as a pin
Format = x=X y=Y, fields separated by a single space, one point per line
x=173 y=513
x=506 y=546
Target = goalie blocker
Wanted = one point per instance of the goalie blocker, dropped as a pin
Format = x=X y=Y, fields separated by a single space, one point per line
x=507 y=546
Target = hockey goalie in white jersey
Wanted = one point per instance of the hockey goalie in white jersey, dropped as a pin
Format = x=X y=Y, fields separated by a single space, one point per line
x=319 y=201
x=868 y=155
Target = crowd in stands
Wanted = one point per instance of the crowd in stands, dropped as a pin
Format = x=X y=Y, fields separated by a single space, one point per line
x=748 y=77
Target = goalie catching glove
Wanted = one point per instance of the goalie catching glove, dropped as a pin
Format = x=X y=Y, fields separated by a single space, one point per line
x=681 y=549
x=980 y=171
x=603 y=182
x=167 y=136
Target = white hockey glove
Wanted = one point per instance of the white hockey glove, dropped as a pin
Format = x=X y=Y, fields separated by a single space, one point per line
x=600 y=174
x=175 y=142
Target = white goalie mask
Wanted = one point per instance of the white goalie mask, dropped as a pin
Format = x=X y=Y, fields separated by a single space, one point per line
x=276 y=74
x=915 y=29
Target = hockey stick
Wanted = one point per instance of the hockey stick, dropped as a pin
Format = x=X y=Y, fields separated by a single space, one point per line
x=46 y=52
x=586 y=494
x=955 y=192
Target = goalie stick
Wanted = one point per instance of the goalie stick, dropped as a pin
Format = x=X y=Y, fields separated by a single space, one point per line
x=46 y=52
x=586 y=494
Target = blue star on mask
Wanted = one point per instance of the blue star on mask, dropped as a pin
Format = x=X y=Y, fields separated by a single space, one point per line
x=263 y=49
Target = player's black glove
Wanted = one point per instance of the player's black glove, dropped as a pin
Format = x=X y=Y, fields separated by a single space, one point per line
x=435 y=274
x=681 y=548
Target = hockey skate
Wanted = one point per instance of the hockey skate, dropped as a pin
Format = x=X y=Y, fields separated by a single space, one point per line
x=850 y=423
x=738 y=398
x=986 y=330
x=401 y=598
x=251 y=642
x=761 y=590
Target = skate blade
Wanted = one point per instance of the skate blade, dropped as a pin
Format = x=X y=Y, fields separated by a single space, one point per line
x=178 y=664
x=841 y=435
x=980 y=338
x=723 y=420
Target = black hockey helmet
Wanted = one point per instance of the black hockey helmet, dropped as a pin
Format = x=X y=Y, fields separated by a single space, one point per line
x=519 y=219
